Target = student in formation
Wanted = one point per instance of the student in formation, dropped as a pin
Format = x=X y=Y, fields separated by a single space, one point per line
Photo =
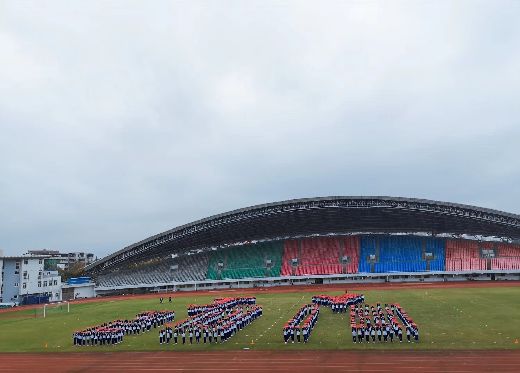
x=286 y=334
x=161 y=336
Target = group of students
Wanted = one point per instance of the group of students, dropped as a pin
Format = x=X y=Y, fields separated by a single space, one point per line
x=113 y=332
x=378 y=326
x=411 y=326
x=293 y=331
x=338 y=304
x=213 y=324
x=98 y=336
x=218 y=303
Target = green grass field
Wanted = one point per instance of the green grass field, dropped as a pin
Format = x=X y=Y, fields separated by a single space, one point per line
x=465 y=318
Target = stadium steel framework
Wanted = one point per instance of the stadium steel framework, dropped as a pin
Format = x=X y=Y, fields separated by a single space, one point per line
x=324 y=215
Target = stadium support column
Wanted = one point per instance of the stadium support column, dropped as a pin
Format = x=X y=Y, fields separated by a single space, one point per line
x=342 y=255
x=376 y=259
x=423 y=248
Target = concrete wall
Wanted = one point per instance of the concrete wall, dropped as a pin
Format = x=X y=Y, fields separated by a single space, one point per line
x=85 y=292
x=54 y=285
x=29 y=270
x=11 y=281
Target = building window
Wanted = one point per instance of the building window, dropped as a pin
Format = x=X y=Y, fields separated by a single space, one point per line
x=39 y=284
x=17 y=265
x=24 y=285
x=25 y=275
x=40 y=261
x=44 y=283
x=25 y=261
x=16 y=284
x=55 y=282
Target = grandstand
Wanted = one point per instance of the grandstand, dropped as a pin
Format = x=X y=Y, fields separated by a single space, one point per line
x=386 y=254
x=247 y=261
x=318 y=240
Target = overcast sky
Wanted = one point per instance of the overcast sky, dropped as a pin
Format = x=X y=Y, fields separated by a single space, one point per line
x=122 y=119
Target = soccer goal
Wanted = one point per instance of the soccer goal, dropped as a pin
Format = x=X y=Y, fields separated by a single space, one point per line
x=56 y=308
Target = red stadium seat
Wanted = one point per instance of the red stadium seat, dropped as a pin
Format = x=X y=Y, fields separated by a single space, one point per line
x=321 y=256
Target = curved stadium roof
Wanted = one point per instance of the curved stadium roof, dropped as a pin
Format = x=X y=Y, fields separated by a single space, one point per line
x=321 y=215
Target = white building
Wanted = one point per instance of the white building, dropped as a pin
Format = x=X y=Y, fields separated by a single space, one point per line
x=79 y=291
x=23 y=279
x=64 y=260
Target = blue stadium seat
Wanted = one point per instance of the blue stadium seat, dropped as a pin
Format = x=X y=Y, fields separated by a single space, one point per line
x=400 y=254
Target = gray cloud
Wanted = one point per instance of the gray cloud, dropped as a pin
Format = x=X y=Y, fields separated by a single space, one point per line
x=123 y=119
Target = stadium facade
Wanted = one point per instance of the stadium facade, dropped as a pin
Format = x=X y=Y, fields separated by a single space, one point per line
x=321 y=240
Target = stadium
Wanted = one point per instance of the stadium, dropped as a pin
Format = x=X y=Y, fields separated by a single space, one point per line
x=450 y=270
x=320 y=241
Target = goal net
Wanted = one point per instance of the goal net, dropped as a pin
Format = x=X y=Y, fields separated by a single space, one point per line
x=53 y=309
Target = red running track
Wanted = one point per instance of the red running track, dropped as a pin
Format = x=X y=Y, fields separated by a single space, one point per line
x=265 y=361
